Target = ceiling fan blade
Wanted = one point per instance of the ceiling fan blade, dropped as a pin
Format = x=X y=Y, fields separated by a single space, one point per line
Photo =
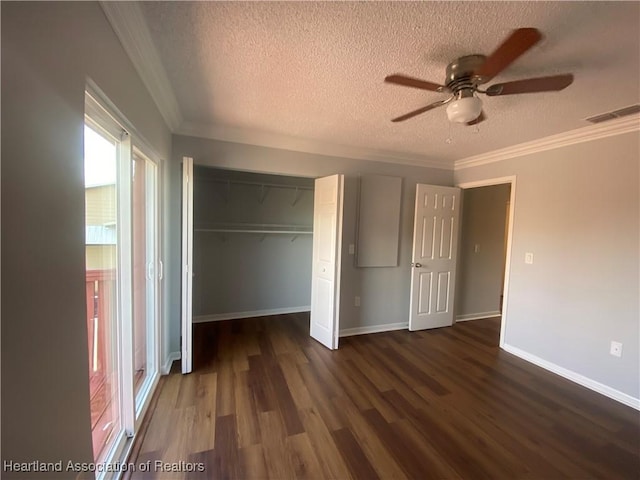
x=409 y=115
x=532 y=85
x=515 y=45
x=481 y=118
x=414 y=82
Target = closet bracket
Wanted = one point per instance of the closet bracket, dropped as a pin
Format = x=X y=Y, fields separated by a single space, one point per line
x=264 y=190
x=297 y=195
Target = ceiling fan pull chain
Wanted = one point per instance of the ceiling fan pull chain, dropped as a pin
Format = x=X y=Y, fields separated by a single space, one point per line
x=449 y=140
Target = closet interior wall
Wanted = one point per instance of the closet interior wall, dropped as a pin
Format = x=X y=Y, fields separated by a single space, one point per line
x=252 y=244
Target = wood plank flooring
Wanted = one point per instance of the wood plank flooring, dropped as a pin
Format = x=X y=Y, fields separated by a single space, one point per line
x=266 y=401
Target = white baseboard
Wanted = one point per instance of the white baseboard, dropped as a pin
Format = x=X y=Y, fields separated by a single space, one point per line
x=172 y=357
x=216 y=317
x=477 y=316
x=387 y=327
x=576 y=377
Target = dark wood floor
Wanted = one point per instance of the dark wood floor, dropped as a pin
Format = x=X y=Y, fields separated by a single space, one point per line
x=266 y=401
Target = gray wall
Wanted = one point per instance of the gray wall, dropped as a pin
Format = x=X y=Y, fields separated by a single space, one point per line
x=577 y=211
x=384 y=292
x=249 y=272
x=48 y=50
x=480 y=274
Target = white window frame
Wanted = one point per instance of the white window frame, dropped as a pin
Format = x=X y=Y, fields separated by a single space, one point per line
x=152 y=337
x=100 y=112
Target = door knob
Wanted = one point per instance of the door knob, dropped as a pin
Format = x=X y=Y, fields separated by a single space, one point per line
x=417 y=265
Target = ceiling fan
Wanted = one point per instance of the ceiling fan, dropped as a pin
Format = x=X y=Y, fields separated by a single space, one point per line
x=465 y=75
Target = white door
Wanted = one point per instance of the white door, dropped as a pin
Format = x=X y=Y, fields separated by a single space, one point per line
x=433 y=267
x=187 y=260
x=327 y=246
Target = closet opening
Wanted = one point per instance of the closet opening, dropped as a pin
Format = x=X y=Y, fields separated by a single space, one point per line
x=252 y=244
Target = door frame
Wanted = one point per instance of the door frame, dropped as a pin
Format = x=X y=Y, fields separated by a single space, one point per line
x=186 y=269
x=511 y=180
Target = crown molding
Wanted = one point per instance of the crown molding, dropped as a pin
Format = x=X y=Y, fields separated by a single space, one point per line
x=127 y=21
x=296 y=144
x=580 y=135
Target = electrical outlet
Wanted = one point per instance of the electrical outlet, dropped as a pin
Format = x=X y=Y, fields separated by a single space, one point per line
x=352 y=249
x=357 y=301
x=616 y=349
x=528 y=258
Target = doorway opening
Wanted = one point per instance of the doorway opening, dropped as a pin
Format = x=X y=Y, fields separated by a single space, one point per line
x=252 y=245
x=485 y=250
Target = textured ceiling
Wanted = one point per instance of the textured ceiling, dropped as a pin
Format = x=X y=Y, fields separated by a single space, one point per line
x=259 y=72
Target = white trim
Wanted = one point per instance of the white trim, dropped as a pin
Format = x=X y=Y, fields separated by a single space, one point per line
x=477 y=316
x=487 y=182
x=584 y=134
x=338 y=265
x=598 y=387
x=148 y=389
x=507 y=266
x=110 y=109
x=129 y=25
x=186 y=315
x=124 y=302
x=168 y=362
x=387 y=327
x=216 y=317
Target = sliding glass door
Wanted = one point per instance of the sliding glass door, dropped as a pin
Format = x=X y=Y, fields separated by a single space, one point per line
x=101 y=157
x=121 y=228
x=144 y=218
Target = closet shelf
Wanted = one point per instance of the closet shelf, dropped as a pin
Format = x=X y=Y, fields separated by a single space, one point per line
x=257 y=184
x=264 y=188
x=261 y=228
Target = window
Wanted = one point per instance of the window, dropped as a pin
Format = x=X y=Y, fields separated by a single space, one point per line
x=121 y=230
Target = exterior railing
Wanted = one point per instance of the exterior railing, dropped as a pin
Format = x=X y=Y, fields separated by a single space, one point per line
x=100 y=290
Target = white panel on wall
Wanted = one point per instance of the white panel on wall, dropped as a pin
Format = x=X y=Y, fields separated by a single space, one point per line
x=379 y=221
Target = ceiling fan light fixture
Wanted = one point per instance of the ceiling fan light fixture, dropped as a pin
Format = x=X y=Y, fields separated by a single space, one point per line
x=464 y=110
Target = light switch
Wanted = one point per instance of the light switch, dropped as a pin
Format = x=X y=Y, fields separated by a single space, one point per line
x=352 y=249
x=528 y=258
x=476 y=248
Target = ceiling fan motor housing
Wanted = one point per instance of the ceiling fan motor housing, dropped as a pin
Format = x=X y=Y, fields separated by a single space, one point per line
x=462 y=83
x=465 y=75
x=460 y=74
